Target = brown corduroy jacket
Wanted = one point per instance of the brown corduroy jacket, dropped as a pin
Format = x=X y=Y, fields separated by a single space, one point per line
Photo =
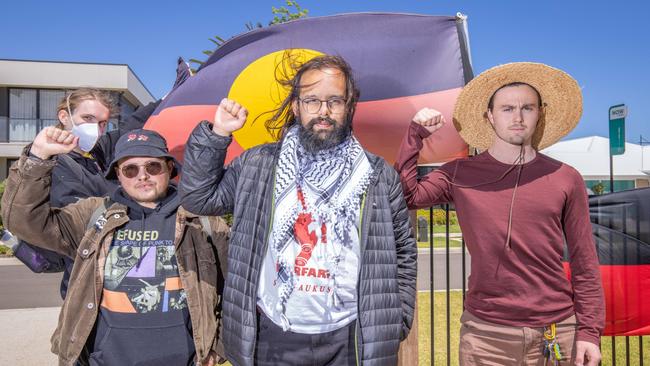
x=26 y=213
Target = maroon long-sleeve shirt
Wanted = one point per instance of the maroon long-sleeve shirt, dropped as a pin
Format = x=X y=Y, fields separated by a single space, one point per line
x=523 y=283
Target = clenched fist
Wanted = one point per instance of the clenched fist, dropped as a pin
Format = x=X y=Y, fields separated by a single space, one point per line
x=230 y=117
x=430 y=119
x=53 y=141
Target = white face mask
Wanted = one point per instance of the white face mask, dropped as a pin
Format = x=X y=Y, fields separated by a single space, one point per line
x=88 y=134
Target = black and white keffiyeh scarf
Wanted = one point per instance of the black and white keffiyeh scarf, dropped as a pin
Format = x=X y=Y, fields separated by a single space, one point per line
x=332 y=182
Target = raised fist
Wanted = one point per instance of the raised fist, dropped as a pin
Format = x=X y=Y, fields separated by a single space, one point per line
x=230 y=117
x=430 y=119
x=53 y=141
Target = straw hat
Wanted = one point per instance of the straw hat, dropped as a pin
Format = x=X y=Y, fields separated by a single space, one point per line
x=561 y=99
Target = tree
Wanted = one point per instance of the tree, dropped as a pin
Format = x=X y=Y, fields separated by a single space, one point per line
x=283 y=14
x=598 y=188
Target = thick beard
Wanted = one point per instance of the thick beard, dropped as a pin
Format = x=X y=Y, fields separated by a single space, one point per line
x=314 y=142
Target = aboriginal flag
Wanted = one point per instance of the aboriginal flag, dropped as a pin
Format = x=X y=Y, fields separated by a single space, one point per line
x=401 y=63
x=621 y=230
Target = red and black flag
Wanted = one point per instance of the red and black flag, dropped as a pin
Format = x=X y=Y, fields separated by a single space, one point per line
x=621 y=229
x=401 y=63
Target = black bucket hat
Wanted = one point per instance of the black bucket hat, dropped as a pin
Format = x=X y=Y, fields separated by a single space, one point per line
x=141 y=143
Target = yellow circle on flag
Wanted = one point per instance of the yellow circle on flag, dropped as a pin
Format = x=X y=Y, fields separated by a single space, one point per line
x=258 y=89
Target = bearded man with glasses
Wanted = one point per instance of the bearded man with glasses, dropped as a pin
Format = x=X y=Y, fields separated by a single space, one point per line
x=322 y=258
x=146 y=283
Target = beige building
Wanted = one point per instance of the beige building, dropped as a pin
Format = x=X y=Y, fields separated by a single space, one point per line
x=31 y=90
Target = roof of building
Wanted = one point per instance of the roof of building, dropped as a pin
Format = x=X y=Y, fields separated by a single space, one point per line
x=590 y=156
x=71 y=75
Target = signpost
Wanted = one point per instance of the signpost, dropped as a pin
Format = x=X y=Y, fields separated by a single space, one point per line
x=617 y=114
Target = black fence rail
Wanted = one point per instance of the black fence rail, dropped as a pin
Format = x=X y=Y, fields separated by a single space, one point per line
x=444 y=329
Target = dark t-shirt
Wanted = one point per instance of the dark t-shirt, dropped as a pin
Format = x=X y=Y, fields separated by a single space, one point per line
x=143 y=315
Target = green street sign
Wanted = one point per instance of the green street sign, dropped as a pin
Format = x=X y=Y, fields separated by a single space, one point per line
x=617 y=116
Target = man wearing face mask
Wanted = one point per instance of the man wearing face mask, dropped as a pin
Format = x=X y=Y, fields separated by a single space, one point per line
x=85 y=113
x=79 y=173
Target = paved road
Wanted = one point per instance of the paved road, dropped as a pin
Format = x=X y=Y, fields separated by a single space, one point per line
x=21 y=289
x=25 y=336
x=440 y=266
x=29 y=306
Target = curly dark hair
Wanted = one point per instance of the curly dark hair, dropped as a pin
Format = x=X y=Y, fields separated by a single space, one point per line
x=283 y=118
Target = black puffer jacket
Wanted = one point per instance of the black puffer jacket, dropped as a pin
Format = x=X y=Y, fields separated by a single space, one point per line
x=388 y=252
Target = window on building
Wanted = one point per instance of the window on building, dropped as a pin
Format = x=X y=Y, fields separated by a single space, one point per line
x=125 y=109
x=23 y=114
x=30 y=110
x=48 y=100
x=4 y=129
x=113 y=124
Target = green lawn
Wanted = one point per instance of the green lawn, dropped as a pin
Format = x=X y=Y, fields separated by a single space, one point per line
x=440 y=242
x=440 y=330
x=442 y=228
x=440 y=334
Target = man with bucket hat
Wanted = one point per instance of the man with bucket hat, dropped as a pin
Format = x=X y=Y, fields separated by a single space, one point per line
x=145 y=284
x=518 y=210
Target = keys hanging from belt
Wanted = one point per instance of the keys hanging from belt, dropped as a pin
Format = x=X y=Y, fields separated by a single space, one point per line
x=551 y=347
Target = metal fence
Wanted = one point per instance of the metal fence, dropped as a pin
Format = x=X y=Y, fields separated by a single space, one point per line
x=615 y=350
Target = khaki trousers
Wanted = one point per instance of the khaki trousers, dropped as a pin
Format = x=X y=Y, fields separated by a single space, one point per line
x=484 y=343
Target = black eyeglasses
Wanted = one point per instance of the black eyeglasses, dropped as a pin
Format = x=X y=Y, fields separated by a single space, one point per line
x=313 y=105
x=151 y=167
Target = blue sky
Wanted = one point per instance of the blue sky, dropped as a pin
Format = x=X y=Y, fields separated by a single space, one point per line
x=605 y=46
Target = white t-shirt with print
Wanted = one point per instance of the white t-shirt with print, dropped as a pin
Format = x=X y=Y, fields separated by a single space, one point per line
x=307 y=309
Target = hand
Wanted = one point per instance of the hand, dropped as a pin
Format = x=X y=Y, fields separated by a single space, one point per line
x=210 y=360
x=587 y=352
x=430 y=119
x=230 y=117
x=53 y=141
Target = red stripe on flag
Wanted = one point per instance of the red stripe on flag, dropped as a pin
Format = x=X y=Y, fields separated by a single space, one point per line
x=381 y=125
x=176 y=124
x=627 y=288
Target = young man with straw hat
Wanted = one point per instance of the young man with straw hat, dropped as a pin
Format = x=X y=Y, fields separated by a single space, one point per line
x=518 y=210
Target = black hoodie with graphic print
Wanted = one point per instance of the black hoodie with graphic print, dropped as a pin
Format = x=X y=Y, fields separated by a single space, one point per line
x=143 y=317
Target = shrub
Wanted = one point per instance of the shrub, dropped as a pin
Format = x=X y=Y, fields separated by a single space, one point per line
x=2 y=191
x=439 y=216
